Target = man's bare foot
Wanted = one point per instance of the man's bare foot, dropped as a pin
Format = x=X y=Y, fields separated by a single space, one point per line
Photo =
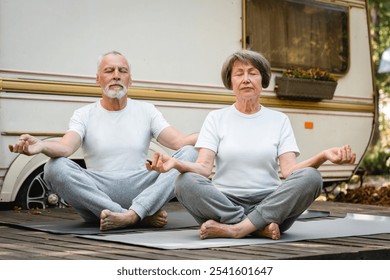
x=213 y=229
x=159 y=219
x=112 y=220
x=271 y=231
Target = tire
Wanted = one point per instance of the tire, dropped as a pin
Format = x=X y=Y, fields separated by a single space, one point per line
x=34 y=192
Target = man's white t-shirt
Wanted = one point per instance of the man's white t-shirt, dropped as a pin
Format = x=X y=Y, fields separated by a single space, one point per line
x=117 y=140
x=247 y=148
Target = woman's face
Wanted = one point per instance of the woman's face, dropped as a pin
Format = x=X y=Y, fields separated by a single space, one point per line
x=246 y=80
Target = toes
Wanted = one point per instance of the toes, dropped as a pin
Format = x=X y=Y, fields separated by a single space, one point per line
x=104 y=214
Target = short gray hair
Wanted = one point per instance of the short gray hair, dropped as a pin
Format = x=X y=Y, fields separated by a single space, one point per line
x=252 y=57
x=100 y=58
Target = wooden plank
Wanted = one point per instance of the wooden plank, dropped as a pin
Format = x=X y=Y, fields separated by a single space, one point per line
x=287 y=250
x=384 y=236
x=19 y=243
x=370 y=241
x=255 y=254
x=347 y=242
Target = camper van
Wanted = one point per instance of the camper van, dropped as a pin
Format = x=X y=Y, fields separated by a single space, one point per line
x=176 y=49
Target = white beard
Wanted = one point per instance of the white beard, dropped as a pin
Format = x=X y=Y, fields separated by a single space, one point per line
x=115 y=93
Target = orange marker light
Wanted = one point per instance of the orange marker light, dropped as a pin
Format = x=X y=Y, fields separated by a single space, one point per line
x=309 y=125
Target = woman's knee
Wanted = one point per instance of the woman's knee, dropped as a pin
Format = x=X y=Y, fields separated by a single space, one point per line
x=307 y=176
x=314 y=175
x=313 y=178
x=186 y=183
x=182 y=182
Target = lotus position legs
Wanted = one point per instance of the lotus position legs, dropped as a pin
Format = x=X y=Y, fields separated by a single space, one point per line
x=112 y=220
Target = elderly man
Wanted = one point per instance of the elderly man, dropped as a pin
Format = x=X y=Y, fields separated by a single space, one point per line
x=114 y=133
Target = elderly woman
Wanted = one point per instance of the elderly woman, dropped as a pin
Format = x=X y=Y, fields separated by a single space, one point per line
x=249 y=144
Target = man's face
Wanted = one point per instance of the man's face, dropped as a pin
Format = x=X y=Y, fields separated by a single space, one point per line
x=114 y=76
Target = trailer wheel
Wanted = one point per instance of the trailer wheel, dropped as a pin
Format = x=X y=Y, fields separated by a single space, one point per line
x=34 y=192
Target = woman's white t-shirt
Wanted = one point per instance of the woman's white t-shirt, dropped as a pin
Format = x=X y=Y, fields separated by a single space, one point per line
x=247 y=148
x=117 y=140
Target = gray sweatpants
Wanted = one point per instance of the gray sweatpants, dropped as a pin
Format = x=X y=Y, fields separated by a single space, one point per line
x=90 y=192
x=282 y=206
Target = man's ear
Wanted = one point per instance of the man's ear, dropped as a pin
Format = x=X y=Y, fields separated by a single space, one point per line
x=97 y=80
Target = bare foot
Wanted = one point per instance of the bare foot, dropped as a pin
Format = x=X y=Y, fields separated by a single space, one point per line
x=271 y=231
x=159 y=219
x=213 y=229
x=112 y=220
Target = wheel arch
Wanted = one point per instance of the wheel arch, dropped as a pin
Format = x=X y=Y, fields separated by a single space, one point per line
x=19 y=171
x=23 y=166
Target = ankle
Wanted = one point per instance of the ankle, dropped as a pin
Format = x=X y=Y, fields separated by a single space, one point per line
x=132 y=216
x=237 y=232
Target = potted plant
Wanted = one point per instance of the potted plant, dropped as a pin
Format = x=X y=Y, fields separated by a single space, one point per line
x=312 y=84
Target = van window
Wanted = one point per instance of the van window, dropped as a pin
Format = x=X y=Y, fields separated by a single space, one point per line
x=299 y=33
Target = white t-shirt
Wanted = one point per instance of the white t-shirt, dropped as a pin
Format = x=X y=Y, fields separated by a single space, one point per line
x=117 y=140
x=247 y=148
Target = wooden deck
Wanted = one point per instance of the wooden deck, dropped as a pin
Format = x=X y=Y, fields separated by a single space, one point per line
x=23 y=244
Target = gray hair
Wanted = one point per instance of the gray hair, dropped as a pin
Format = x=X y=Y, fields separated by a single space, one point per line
x=100 y=58
x=252 y=57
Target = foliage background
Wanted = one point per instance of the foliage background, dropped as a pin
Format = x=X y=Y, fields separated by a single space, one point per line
x=377 y=160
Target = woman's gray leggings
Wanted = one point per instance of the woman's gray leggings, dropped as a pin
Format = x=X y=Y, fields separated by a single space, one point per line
x=282 y=206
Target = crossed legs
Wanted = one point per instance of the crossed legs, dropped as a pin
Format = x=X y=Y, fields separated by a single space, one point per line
x=115 y=200
x=112 y=220
x=213 y=229
x=224 y=217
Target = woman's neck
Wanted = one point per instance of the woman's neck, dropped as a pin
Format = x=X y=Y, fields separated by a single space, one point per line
x=246 y=106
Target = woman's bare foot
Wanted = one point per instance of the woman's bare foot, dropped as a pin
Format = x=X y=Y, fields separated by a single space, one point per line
x=213 y=229
x=159 y=219
x=113 y=220
x=271 y=231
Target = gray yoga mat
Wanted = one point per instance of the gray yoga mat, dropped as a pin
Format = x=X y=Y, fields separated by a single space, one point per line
x=350 y=225
x=176 y=220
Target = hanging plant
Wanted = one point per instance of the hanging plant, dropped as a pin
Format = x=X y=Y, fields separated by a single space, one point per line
x=311 y=74
x=308 y=85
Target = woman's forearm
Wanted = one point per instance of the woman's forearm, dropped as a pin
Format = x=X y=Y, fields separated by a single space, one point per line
x=195 y=167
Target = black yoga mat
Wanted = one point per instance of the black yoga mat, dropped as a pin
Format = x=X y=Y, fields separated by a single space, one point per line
x=176 y=219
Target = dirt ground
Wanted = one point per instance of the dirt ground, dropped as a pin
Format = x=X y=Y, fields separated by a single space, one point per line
x=374 y=190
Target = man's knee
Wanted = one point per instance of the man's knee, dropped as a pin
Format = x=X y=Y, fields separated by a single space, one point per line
x=55 y=168
x=187 y=153
x=52 y=166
